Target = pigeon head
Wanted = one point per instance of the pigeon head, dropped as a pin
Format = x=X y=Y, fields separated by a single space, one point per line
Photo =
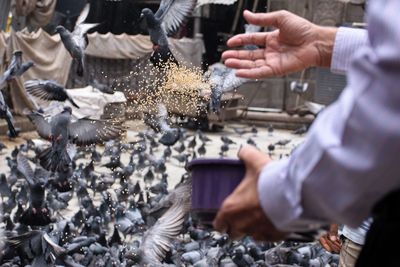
x=60 y=29
x=17 y=53
x=148 y=15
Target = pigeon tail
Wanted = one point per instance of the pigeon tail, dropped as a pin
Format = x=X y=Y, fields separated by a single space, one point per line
x=55 y=161
x=11 y=129
x=162 y=56
x=73 y=102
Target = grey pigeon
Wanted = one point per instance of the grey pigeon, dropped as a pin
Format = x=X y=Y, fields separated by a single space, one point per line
x=48 y=90
x=6 y=114
x=223 y=79
x=15 y=69
x=61 y=131
x=37 y=213
x=167 y=20
x=159 y=123
x=76 y=42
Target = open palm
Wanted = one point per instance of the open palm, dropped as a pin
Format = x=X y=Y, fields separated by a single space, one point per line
x=294 y=46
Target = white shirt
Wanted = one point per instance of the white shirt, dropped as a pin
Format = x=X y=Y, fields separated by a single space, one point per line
x=351 y=157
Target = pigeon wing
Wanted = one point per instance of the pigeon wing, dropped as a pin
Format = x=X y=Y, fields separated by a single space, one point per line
x=25 y=168
x=173 y=13
x=231 y=81
x=54 y=247
x=43 y=128
x=46 y=90
x=88 y=131
x=82 y=17
x=81 y=28
x=157 y=240
x=78 y=35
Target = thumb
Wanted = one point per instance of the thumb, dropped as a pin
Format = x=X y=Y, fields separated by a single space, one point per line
x=253 y=158
x=264 y=19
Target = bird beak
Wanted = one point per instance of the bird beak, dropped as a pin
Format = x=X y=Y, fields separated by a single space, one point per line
x=141 y=17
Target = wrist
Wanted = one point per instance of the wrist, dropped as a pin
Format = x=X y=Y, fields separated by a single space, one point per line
x=324 y=44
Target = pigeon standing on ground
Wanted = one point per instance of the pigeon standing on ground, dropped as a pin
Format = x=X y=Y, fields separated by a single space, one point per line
x=48 y=90
x=76 y=42
x=167 y=20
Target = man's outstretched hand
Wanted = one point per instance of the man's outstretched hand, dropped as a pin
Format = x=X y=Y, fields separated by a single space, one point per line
x=241 y=213
x=295 y=45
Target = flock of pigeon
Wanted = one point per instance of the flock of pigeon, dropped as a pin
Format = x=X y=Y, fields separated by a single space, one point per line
x=115 y=206
x=129 y=213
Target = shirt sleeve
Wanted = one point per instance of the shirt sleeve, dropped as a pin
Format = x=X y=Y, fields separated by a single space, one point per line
x=347 y=42
x=349 y=160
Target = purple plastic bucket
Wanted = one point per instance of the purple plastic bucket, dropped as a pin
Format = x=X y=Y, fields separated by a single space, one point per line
x=212 y=181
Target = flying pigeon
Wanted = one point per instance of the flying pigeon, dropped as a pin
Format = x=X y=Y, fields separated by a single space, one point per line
x=166 y=21
x=48 y=90
x=76 y=42
x=61 y=132
x=223 y=79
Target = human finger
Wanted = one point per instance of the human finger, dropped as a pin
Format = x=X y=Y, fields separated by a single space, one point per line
x=324 y=243
x=251 y=156
x=243 y=54
x=265 y=19
x=255 y=73
x=244 y=63
x=257 y=38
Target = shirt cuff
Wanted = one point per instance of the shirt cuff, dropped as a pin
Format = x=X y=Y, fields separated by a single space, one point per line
x=281 y=199
x=272 y=190
x=347 y=42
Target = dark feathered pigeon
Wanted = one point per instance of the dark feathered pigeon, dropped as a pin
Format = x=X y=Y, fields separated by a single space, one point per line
x=167 y=20
x=48 y=90
x=76 y=42
x=61 y=132
x=223 y=79
x=37 y=214
x=6 y=114
x=37 y=245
